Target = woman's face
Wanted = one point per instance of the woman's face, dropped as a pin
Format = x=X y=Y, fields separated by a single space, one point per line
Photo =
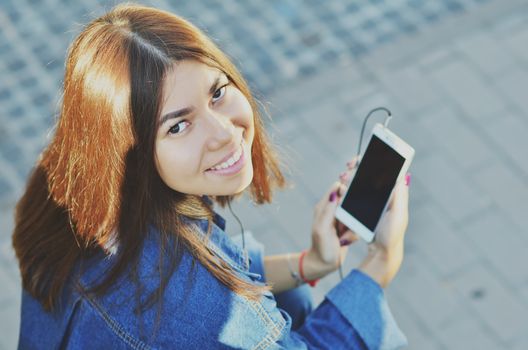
x=203 y=144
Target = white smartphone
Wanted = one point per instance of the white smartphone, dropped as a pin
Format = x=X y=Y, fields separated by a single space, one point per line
x=384 y=163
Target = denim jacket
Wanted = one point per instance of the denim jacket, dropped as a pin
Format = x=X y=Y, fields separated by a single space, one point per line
x=199 y=312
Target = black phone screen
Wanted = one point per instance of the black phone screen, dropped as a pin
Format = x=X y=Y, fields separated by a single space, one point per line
x=373 y=183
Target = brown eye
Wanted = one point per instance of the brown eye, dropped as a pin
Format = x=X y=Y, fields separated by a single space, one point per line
x=179 y=127
x=219 y=93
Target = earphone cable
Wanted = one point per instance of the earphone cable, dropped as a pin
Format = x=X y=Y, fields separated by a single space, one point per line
x=241 y=229
x=386 y=124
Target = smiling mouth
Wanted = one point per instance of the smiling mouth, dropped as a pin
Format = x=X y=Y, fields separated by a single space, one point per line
x=229 y=162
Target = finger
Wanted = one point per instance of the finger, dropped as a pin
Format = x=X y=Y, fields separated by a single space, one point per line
x=329 y=202
x=327 y=195
x=351 y=164
x=343 y=177
x=400 y=197
x=340 y=228
x=341 y=190
x=346 y=175
x=348 y=238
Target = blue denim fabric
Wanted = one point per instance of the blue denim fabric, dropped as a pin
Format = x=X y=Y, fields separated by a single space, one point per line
x=297 y=302
x=199 y=312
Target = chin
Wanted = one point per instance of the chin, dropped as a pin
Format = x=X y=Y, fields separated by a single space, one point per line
x=244 y=184
x=245 y=181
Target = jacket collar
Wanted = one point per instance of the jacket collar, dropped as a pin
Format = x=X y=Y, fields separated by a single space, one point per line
x=222 y=245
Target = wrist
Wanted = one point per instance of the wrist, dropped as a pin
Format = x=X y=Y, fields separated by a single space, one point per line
x=315 y=267
x=381 y=264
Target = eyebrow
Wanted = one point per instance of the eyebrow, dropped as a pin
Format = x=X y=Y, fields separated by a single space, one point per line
x=173 y=115
x=187 y=110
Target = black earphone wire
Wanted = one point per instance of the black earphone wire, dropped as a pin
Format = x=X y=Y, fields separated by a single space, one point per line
x=385 y=123
x=241 y=230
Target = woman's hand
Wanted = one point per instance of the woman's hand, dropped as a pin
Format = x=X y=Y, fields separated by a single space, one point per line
x=386 y=252
x=330 y=238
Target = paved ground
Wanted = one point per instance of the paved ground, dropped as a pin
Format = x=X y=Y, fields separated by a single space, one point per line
x=455 y=75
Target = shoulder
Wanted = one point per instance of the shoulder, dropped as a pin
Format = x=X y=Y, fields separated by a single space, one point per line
x=196 y=309
x=74 y=323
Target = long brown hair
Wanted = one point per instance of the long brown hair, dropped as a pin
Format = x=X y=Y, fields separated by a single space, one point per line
x=97 y=181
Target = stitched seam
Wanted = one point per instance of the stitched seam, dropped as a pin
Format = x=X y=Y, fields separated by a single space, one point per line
x=268 y=340
x=276 y=330
x=116 y=328
x=271 y=339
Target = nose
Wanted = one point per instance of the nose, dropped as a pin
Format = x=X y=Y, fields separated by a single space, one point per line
x=220 y=130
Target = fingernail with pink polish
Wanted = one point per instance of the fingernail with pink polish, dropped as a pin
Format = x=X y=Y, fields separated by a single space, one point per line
x=332 y=197
x=343 y=242
x=408 y=179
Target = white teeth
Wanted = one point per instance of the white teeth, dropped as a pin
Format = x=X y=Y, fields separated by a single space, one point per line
x=230 y=161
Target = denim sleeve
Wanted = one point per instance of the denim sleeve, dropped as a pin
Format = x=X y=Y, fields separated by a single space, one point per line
x=354 y=314
x=356 y=307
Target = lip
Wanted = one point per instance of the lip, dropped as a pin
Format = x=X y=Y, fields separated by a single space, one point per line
x=233 y=169
x=229 y=155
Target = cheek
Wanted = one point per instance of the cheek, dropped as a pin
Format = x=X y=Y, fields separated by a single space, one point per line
x=172 y=166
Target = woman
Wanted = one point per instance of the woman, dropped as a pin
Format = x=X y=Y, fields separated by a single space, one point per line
x=116 y=236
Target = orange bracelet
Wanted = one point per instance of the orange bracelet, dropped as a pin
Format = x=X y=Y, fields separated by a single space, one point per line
x=312 y=283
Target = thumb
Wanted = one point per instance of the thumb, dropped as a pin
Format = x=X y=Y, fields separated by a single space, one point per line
x=329 y=202
x=348 y=237
x=400 y=197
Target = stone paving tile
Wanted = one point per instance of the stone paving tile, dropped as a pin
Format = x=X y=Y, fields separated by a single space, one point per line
x=408 y=127
x=464 y=145
x=434 y=300
x=360 y=108
x=468 y=333
x=471 y=91
x=513 y=85
x=348 y=82
x=338 y=129
x=510 y=23
x=449 y=186
x=10 y=287
x=9 y=323
x=494 y=303
x=411 y=87
x=417 y=332
x=485 y=52
x=436 y=57
x=440 y=242
x=418 y=193
x=509 y=133
x=316 y=169
x=517 y=43
x=293 y=211
x=508 y=191
x=447 y=91
x=496 y=240
x=521 y=344
x=7 y=255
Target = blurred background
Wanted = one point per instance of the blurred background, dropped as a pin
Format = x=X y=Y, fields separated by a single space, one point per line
x=453 y=72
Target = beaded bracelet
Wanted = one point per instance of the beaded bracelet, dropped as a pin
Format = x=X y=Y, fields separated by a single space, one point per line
x=312 y=283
